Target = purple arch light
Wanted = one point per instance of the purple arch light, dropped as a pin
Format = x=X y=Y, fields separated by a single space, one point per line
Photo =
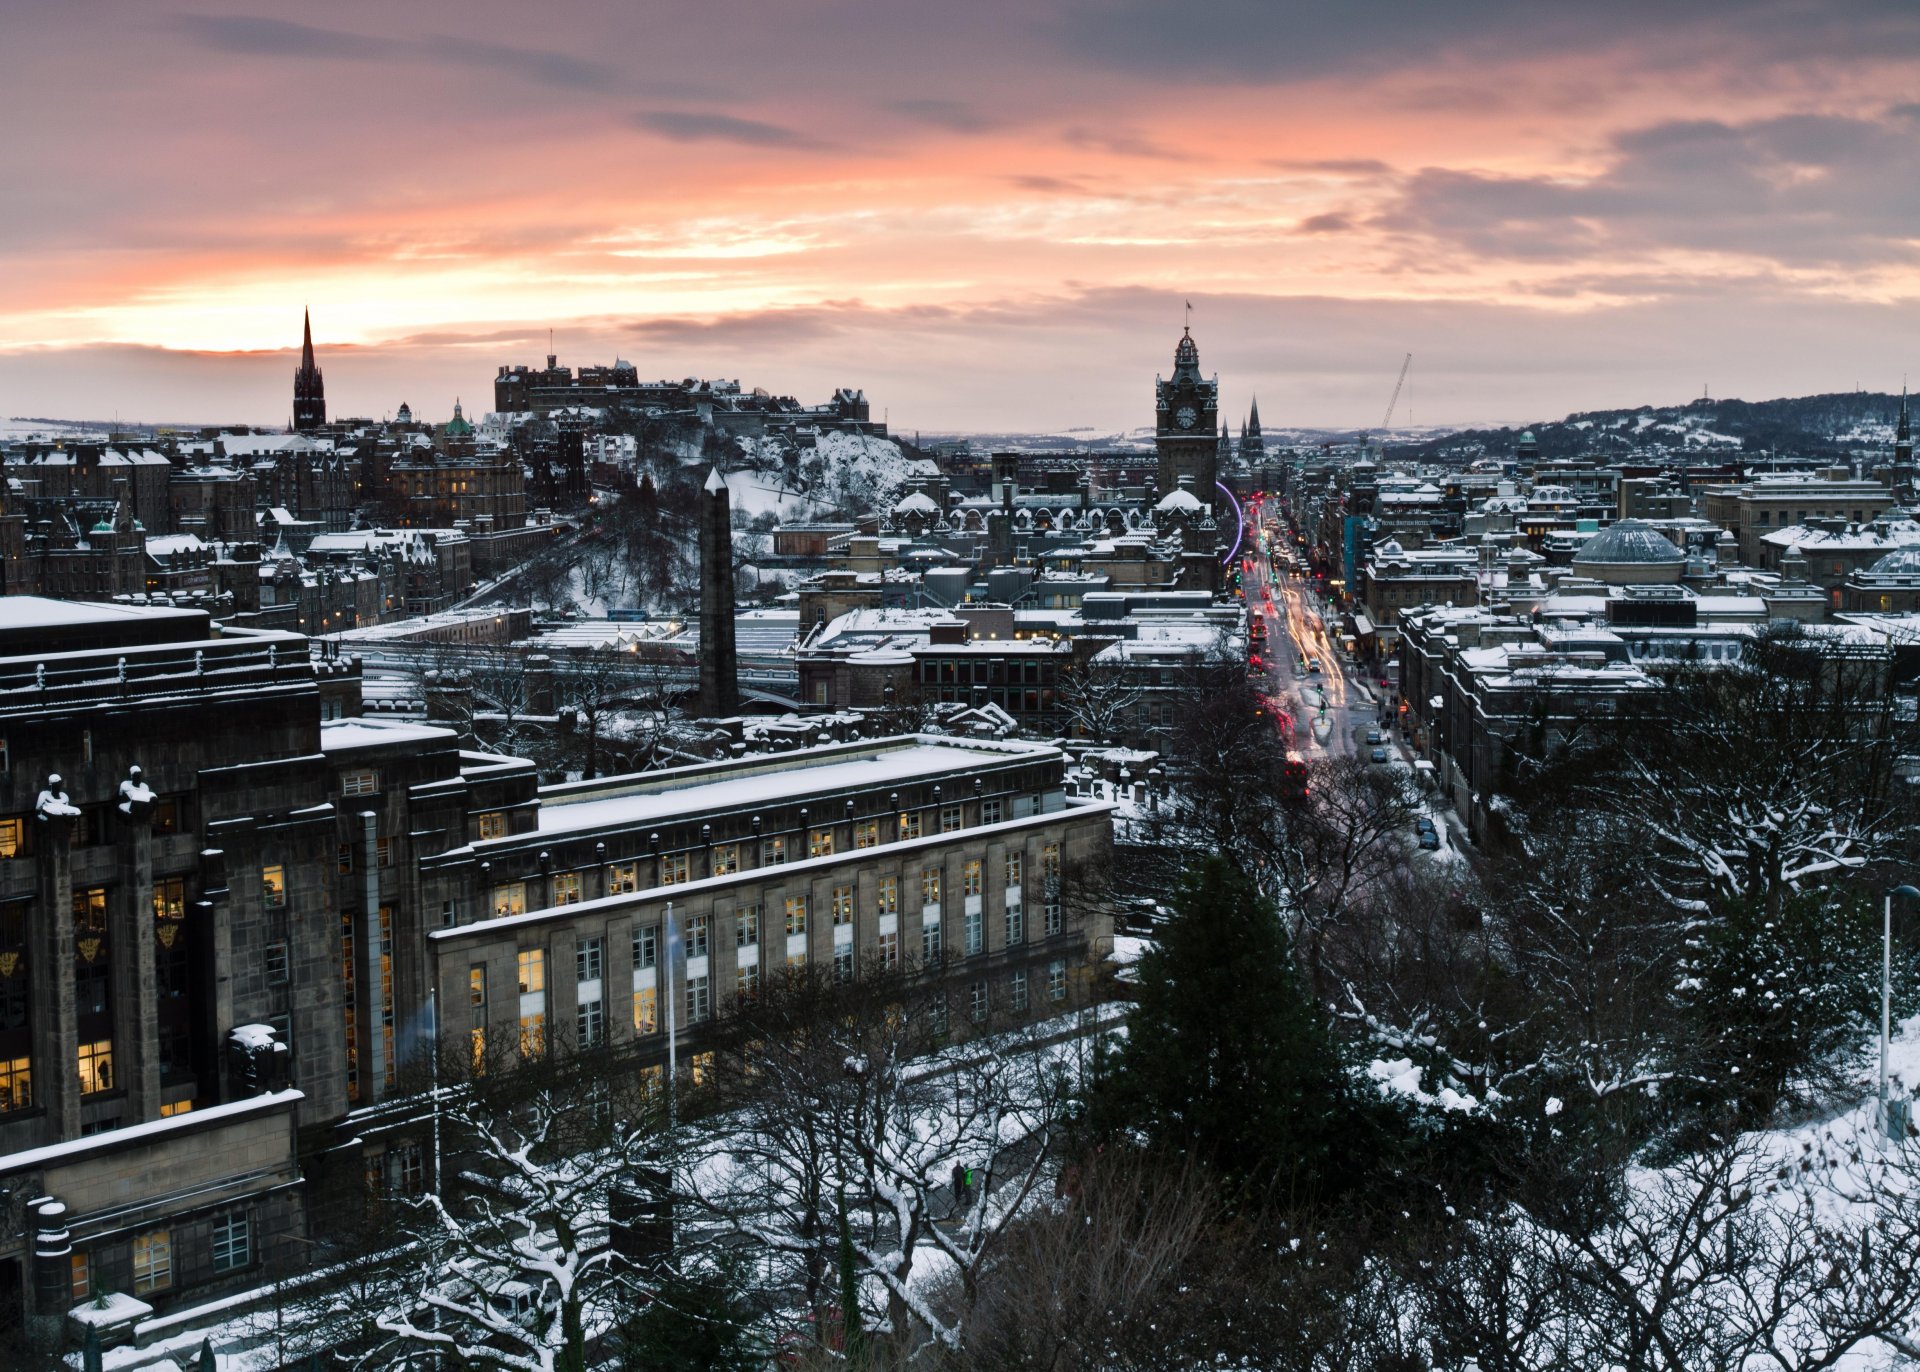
x=1239 y=525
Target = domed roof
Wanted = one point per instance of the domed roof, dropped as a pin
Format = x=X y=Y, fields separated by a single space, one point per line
x=1179 y=500
x=1629 y=540
x=918 y=501
x=1899 y=562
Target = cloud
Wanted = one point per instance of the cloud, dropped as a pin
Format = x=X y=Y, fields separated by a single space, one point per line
x=1050 y=185
x=257 y=36
x=955 y=116
x=1123 y=142
x=1275 y=42
x=1332 y=222
x=690 y=126
x=253 y=36
x=1798 y=190
x=1333 y=166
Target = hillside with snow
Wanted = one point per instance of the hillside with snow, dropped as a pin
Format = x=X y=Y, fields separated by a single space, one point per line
x=1831 y=426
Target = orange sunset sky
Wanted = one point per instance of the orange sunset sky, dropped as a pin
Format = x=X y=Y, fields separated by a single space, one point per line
x=989 y=215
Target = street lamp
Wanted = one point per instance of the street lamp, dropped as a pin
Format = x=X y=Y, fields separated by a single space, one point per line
x=1887 y=1120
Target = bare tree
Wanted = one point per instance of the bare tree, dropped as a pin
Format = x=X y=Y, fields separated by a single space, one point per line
x=1101 y=699
x=506 y=1263
x=865 y=1138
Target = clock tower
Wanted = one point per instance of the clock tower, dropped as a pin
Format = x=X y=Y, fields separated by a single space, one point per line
x=1186 y=425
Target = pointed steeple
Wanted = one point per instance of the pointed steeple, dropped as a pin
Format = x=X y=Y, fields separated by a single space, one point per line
x=309 y=391
x=1903 y=432
x=1253 y=418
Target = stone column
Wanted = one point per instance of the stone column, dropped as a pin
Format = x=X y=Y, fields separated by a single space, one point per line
x=56 y=1038
x=130 y=937
x=52 y=1275
x=719 y=663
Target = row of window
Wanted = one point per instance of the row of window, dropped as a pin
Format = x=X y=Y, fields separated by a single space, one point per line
x=623 y=878
x=723 y=859
x=590 y=1027
x=230 y=1242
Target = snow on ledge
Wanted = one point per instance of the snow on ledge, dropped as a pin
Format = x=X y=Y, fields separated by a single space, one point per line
x=153 y=1131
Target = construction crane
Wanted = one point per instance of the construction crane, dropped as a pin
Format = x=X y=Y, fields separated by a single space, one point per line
x=1397 y=386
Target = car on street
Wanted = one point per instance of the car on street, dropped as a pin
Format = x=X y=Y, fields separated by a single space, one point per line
x=1375 y=736
x=1429 y=840
x=1379 y=754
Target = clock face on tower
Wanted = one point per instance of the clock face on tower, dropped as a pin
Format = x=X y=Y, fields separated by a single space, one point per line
x=1186 y=416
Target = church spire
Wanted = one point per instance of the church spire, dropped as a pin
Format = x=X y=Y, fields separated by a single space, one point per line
x=1903 y=432
x=309 y=393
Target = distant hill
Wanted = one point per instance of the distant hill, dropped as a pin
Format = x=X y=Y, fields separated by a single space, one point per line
x=1803 y=426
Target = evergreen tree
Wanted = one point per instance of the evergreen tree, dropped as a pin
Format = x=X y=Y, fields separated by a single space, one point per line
x=697 y=1321
x=1226 y=1060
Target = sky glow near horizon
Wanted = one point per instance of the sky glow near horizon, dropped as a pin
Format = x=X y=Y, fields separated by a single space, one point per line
x=989 y=216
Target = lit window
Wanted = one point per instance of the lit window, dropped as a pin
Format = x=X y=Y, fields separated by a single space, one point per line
x=820 y=843
x=1050 y=861
x=843 y=905
x=676 y=869
x=970 y=878
x=533 y=970
x=773 y=852
x=796 y=915
x=177 y=1107
x=492 y=824
x=623 y=878
x=889 y=895
x=360 y=783
x=232 y=1243
x=726 y=859
x=533 y=1034
x=746 y=981
x=510 y=899
x=477 y=986
x=566 y=888
x=702 y=1068
x=273 y=887
x=910 y=824
x=16 y=1084
x=13 y=837
x=383 y=851
x=152 y=1261
x=81 y=1275
x=930 y=886
x=866 y=834
x=96 y=1067
x=646 y=1018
